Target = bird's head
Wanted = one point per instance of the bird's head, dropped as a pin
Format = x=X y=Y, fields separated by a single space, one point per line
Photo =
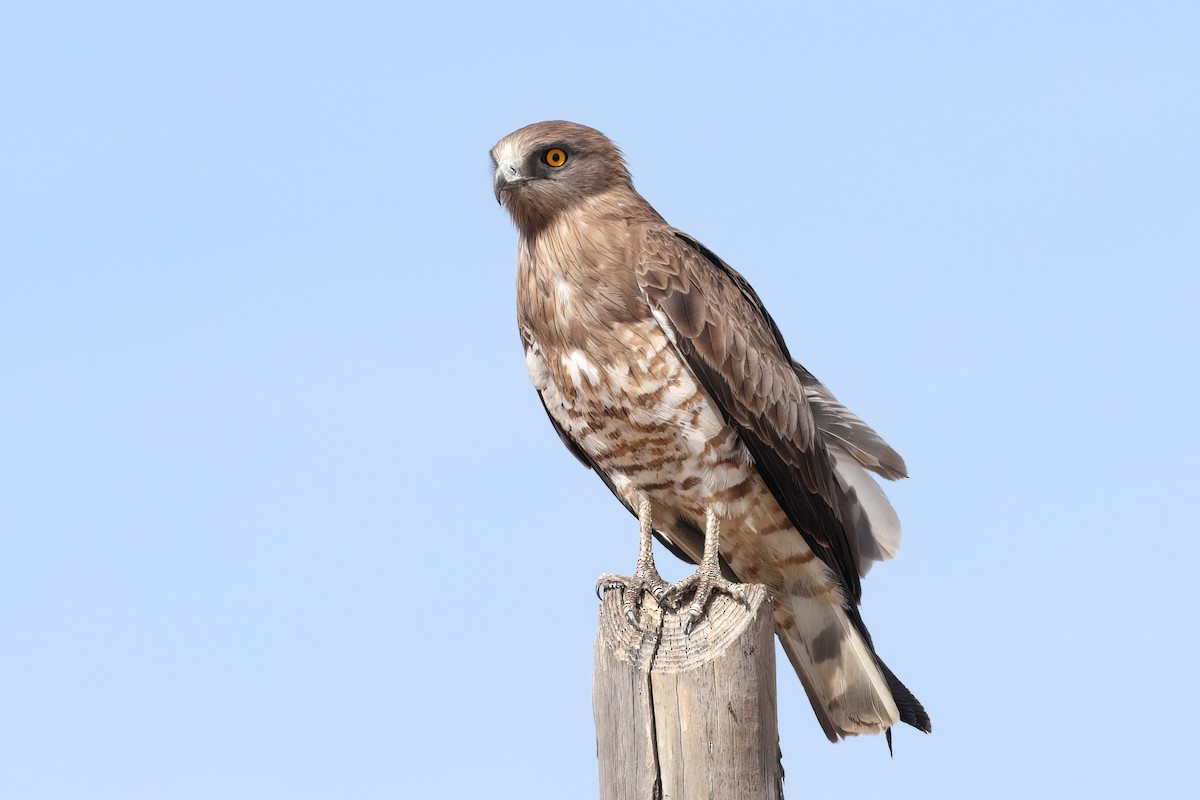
x=547 y=168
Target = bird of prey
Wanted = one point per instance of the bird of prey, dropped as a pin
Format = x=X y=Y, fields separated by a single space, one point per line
x=661 y=370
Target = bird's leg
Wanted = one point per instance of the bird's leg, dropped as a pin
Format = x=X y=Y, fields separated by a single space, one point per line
x=645 y=577
x=707 y=578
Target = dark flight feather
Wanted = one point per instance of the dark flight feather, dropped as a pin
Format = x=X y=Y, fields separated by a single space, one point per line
x=751 y=378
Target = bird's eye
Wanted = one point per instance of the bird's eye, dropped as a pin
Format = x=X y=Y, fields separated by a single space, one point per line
x=555 y=157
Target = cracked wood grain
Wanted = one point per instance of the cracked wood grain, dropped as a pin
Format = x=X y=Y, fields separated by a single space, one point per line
x=684 y=716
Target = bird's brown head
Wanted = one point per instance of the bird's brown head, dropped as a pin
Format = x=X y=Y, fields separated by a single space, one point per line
x=547 y=168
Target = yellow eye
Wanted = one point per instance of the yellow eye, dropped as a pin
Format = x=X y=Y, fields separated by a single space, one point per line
x=555 y=157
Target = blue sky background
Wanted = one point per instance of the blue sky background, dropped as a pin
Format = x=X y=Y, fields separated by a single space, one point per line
x=280 y=515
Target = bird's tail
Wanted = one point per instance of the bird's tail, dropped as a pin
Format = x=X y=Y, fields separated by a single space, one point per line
x=851 y=690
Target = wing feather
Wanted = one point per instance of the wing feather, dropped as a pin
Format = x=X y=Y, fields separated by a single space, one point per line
x=843 y=426
x=736 y=351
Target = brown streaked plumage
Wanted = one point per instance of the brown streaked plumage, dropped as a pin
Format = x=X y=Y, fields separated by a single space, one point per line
x=661 y=370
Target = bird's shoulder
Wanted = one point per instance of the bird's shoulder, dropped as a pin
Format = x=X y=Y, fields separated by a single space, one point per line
x=721 y=325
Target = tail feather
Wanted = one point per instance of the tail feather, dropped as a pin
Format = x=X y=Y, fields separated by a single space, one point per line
x=837 y=666
x=870 y=521
x=851 y=690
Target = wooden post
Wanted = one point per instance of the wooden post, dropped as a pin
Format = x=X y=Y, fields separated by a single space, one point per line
x=687 y=716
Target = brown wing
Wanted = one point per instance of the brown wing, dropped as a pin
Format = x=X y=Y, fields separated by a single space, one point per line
x=736 y=351
x=833 y=419
x=840 y=425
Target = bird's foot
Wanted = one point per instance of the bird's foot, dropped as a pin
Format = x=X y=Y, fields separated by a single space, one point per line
x=644 y=579
x=704 y=582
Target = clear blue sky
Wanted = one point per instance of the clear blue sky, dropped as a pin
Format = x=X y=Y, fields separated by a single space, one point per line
x=280 y=516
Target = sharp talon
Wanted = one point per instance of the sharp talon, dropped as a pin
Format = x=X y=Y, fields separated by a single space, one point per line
x=644 y=580
x=606 y=583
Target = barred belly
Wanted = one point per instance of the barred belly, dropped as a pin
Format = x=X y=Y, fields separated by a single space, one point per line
x=653 y=430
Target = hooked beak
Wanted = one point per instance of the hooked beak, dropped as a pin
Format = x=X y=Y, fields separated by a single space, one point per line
x=508 y=174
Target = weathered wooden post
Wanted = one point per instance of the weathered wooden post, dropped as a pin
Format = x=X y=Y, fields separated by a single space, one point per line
x=687 y=716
